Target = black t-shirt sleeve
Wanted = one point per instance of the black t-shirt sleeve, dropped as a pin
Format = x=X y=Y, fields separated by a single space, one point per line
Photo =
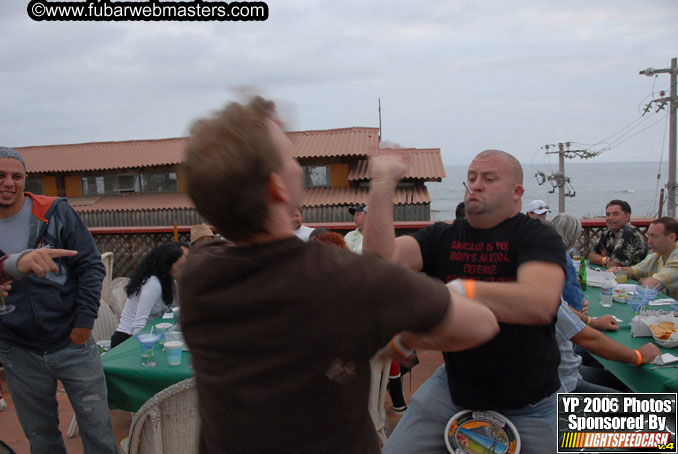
x=541 y=242
x=430 y=239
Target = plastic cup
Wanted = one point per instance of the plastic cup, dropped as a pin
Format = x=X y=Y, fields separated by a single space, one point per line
x=163 y=328
x=174 y=350
x=636 y=302
x=173 y=335
x=620 y=276
x=647 y=293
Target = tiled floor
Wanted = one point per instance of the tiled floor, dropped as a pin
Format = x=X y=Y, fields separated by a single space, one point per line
x=12 y=435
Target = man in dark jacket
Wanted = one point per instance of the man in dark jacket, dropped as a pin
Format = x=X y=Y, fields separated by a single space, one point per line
x=48 y=337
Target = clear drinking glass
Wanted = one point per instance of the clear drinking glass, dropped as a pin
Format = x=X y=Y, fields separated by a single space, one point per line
x=636 y=302
x=5 y=308
x=148 y=339
x=620 y=276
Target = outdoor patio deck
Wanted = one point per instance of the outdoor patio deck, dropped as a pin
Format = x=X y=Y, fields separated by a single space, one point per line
x=12 y=435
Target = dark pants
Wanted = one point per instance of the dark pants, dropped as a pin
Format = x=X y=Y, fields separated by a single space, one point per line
x=118 y=338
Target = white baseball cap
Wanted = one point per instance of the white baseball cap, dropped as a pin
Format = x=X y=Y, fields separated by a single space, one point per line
x=538 y=207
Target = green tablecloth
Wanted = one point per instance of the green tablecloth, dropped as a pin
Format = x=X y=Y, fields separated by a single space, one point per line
x=130 y=384
x=639 y=379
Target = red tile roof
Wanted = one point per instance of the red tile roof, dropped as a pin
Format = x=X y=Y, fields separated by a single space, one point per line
x=316 y=197
x=103 y=155
x=335 y=142
x=425 y=164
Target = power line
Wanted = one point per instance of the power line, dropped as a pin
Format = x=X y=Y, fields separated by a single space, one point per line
x=661 y=159
x=614 y=144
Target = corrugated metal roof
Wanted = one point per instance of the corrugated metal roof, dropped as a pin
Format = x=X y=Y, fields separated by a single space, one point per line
x=180 y=200
x=425 y=164
x=132 y=202
x=354 y=141
x=103 y=155
x=314 y=197
x=100 y=156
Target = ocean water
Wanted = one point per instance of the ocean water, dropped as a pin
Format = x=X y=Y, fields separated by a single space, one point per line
x=594 y=184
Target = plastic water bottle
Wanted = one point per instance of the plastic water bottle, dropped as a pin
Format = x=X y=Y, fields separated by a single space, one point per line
x=606 y=290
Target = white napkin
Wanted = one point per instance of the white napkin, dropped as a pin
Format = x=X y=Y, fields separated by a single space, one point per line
x=662 y=302
x=619 y=320
x=666 y=358
x=168 y=315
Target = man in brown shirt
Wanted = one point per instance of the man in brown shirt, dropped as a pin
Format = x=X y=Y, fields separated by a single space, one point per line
x=281 y=331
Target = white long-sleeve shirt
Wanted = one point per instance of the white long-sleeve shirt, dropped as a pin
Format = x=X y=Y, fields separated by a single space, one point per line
x=146 y=304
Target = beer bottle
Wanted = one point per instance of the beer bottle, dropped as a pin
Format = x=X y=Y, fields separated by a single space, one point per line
x=582 y=272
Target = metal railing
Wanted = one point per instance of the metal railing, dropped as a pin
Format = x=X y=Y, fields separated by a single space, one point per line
x=129 y=244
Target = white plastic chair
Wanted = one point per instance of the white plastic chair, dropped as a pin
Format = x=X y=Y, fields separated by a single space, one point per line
x=168 y=423
x=118 y=295
x=107 y=259
x=379 y=382
x=105 y=324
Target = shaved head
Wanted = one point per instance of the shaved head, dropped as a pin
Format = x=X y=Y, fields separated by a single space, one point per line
x=495 y=180
x=513 y=163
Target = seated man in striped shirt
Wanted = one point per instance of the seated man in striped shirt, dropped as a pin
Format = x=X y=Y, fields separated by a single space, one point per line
x=579 y=378
x=660 y=268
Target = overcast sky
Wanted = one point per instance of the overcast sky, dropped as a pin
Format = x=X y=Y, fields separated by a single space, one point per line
x=459 y=75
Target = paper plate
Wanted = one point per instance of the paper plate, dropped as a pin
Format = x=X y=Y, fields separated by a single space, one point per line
x=477 y=432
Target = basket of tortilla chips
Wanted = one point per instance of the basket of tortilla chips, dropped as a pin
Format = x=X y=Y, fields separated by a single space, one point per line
x=665 y=334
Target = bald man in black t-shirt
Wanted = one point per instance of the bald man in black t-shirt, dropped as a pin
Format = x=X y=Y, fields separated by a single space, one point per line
x=515 y=265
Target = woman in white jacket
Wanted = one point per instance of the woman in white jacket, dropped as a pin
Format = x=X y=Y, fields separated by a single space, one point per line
x=151 y=290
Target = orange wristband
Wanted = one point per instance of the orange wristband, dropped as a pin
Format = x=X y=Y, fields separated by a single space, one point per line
x=470 y=288
x=640 y=358
x=605 y=260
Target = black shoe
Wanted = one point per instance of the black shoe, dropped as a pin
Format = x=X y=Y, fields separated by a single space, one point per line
x=395 y=389
x=399 y=410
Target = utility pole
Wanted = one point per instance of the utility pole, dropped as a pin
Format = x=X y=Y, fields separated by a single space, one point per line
x=673 y=106
x=379 y=120
x=559 y=180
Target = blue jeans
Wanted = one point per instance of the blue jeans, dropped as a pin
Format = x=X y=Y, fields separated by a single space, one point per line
x=422 y=428
x=32 y=380
x=585 y=387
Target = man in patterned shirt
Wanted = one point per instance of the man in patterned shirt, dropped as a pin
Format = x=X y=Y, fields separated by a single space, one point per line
x=660 y=268
x=622 y=244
